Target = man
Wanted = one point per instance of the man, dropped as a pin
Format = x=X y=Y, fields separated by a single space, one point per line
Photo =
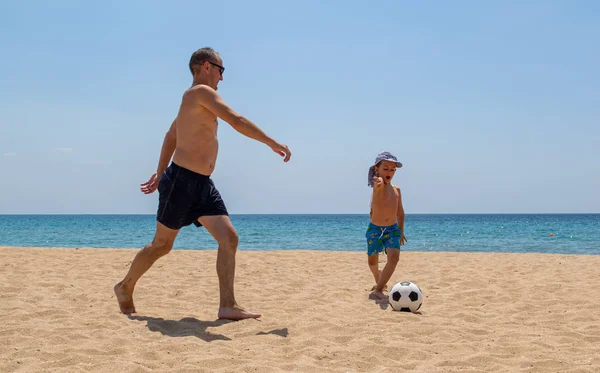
x=186 y=193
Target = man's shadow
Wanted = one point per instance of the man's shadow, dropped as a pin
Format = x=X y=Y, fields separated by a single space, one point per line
x=186 y=327
x=283 y=332
x=192 y=327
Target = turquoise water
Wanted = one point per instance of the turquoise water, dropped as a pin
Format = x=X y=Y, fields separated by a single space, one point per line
x=573 y=233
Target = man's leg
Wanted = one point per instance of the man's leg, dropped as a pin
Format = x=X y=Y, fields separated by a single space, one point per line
x=160 y=246
x=222 y=230
x=393 y=255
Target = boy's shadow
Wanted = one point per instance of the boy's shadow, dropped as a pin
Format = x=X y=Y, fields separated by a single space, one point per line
x=192 y=327
x=383 y=303
x=186 y=327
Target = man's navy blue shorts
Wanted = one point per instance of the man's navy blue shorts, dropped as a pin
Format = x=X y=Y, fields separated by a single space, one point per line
x=184 y=196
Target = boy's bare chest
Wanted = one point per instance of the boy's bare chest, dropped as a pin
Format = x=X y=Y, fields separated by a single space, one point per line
x=388 y=196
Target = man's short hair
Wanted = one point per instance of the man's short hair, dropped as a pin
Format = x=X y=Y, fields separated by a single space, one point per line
x=201 y=55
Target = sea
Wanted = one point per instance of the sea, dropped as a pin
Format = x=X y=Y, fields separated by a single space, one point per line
x=510 y=233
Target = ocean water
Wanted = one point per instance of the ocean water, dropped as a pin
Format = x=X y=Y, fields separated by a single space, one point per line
x=521 y=233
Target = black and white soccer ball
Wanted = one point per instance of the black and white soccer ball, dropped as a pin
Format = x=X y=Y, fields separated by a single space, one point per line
x=406 y=296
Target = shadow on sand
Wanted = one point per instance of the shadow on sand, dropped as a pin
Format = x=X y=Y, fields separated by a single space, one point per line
x=283 y=332
x=383 y=303
x=186 y=327
x=192 y=327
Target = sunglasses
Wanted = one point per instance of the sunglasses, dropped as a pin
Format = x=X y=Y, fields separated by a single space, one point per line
x=221 y=68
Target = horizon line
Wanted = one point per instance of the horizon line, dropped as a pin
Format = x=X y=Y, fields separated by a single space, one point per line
x=327 y=213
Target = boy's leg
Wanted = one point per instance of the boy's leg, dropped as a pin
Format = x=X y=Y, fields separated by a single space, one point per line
x=145 y=258
x=374 y=265
x=393 y=255
x=220 y=227
x=374 y=246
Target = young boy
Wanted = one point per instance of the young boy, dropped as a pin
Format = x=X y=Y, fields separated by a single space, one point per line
x=386 y=227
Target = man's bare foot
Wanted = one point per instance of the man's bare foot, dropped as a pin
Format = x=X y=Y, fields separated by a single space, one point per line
x=125 y=300
x=378 y=295
x=236 y=313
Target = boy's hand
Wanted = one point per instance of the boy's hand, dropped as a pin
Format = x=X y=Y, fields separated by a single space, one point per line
x=403 y=239
x=377 y=181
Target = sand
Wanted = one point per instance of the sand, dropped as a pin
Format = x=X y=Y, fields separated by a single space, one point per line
x=481 y=313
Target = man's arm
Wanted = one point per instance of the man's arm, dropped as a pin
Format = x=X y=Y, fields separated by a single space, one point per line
x=167 y=150
x=166 y=153
x=210 y=99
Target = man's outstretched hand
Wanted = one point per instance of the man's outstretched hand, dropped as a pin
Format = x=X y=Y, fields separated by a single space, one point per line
x=151 y=185
x=282 y=150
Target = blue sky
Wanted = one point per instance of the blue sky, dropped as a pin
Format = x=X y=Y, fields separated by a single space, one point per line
x=493 y=107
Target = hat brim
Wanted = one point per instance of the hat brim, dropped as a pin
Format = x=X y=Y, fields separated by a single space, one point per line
x=398 y=164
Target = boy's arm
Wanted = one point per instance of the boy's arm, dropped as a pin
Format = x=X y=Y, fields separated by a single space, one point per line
x=377 y=182
x=400 y=211
x=210 y=99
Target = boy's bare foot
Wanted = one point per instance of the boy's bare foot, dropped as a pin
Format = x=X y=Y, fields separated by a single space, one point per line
x=378 y=295
x=125 y=300
x=236 y=313
x=375 y=287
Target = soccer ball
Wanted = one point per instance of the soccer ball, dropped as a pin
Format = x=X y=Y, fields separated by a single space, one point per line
x=406 y=296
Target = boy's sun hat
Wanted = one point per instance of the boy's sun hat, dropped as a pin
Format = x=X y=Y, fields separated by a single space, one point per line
x=384 y=156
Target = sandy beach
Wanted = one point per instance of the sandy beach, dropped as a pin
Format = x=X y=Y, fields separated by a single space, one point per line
x=481 y=313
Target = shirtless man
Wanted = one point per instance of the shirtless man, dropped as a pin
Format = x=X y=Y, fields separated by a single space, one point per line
x=186 y=192
x=385 y=232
